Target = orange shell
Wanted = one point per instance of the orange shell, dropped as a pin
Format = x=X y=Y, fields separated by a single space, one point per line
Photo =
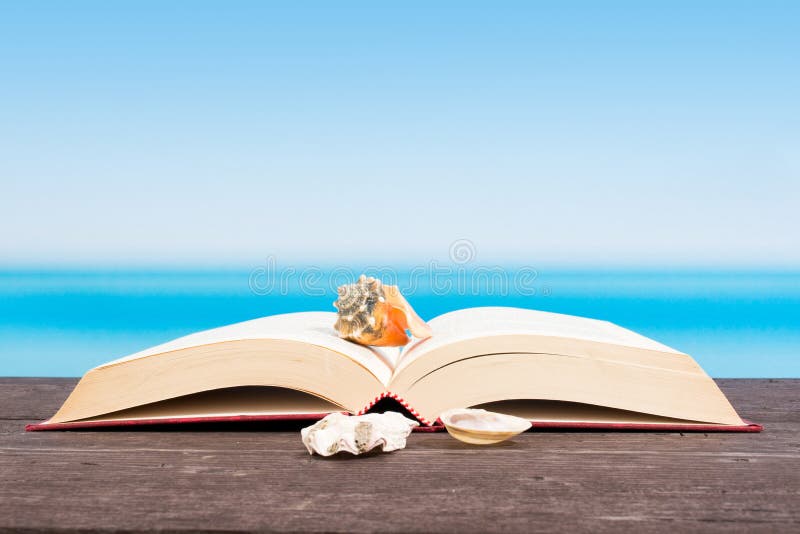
x=373 y=314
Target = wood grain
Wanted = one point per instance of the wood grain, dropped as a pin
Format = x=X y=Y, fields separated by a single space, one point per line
x=218 y=479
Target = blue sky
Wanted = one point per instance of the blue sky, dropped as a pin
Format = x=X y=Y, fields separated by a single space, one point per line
x=647 y=133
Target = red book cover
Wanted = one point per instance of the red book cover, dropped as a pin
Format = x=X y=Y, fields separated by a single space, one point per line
x=425 y=425
x=436 y=427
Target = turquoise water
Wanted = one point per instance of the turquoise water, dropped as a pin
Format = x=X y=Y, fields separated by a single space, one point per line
x=63 y=322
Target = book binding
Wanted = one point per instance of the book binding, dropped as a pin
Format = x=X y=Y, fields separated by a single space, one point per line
x=403 y=403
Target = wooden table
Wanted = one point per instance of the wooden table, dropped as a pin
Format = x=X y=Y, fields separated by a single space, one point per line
x=217 y=480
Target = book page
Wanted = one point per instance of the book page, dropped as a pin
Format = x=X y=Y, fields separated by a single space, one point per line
x=485 y=322
x=574 y=412
x=228 y=402
x=315 y=328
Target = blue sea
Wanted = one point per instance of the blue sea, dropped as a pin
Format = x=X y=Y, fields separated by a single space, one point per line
x=59 y=322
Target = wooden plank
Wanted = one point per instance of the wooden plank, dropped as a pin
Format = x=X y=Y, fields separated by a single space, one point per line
x=545 y=481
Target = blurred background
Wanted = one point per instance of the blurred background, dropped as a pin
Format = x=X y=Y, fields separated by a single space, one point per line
x=162 y=164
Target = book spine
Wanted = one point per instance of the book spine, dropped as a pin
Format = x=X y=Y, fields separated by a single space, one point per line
x=399 y=399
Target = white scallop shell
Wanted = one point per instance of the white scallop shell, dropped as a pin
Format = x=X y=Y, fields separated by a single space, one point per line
x=338 y=432
x=482 y=427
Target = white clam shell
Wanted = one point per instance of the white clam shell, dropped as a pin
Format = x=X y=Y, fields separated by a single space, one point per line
x=338 y=432
x=481 y=427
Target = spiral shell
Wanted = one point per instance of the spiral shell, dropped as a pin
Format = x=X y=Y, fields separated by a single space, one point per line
x=356 y=305
x=371 y=313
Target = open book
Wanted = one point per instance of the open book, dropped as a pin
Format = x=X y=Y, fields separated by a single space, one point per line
x=555 y=370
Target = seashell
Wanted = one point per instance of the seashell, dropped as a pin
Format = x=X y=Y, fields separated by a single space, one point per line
x=371 y=313
x=481 y=427
x=338 y=432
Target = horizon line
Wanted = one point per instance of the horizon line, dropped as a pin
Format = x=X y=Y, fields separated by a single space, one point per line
x=366 y=265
